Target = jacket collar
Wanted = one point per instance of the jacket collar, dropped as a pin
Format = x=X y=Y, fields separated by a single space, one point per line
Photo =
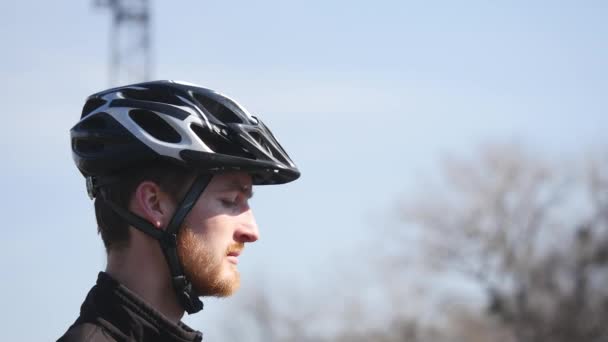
x=123 y=312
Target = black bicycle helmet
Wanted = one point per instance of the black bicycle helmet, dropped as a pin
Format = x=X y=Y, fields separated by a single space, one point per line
x=180 y=123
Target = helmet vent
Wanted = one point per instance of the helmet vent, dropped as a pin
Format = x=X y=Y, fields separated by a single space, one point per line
x=91 y=105
x=258 y=138
x=269 y=148
x=155 y=126
x=218 y=143
x=217 y=109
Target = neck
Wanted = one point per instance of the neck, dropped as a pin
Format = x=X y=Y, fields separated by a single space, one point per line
x=142 y=268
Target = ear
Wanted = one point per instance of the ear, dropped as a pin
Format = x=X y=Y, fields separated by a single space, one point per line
x=152 y=204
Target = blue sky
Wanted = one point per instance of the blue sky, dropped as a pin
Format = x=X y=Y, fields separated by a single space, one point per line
x=365 y=96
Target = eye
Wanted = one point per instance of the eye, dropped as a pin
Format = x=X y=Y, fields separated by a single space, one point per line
x=229 y=203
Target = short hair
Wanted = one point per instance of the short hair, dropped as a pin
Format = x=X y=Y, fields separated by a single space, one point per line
x=114 y=230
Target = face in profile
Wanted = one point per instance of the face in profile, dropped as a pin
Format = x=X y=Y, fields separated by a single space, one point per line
x=214 y=235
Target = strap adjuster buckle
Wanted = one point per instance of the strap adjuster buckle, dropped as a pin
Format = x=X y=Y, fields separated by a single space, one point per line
x=91 y=187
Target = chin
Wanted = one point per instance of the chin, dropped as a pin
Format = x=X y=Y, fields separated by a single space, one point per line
x=226 y=289
x=224 y=284
x=231 y=283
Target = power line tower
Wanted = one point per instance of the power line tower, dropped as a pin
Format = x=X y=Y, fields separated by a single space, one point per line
x=130 y=56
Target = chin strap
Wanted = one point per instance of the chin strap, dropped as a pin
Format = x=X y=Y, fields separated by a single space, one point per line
x=168 y=239
x=181 y=284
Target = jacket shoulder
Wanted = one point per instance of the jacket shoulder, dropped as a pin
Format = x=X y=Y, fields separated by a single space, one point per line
x=87 y=332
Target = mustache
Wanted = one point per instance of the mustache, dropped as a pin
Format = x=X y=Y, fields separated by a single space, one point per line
x=235 y=248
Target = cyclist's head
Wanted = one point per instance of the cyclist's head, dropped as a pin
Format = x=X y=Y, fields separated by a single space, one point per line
x=180 y=137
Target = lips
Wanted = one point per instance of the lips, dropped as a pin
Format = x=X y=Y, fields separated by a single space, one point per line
x=233 y=256
x=233 y=252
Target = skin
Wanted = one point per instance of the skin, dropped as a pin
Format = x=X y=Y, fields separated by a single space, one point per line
x=210 y=242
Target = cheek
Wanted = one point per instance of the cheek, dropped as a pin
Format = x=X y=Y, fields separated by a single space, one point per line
x=218 y=231
x=201 y=217
x=212 y=225
x=215 y=233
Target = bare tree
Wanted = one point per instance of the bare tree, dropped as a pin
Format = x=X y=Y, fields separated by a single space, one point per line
x=531 y=233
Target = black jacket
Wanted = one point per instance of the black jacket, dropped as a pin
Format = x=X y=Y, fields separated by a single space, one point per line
x=111 y=312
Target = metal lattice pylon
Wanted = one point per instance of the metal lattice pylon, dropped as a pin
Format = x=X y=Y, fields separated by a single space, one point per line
x=130 y=58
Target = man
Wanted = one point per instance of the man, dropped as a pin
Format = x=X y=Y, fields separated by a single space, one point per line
x=171 y=167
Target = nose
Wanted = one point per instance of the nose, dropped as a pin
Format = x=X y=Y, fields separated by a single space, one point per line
x=247 y=230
